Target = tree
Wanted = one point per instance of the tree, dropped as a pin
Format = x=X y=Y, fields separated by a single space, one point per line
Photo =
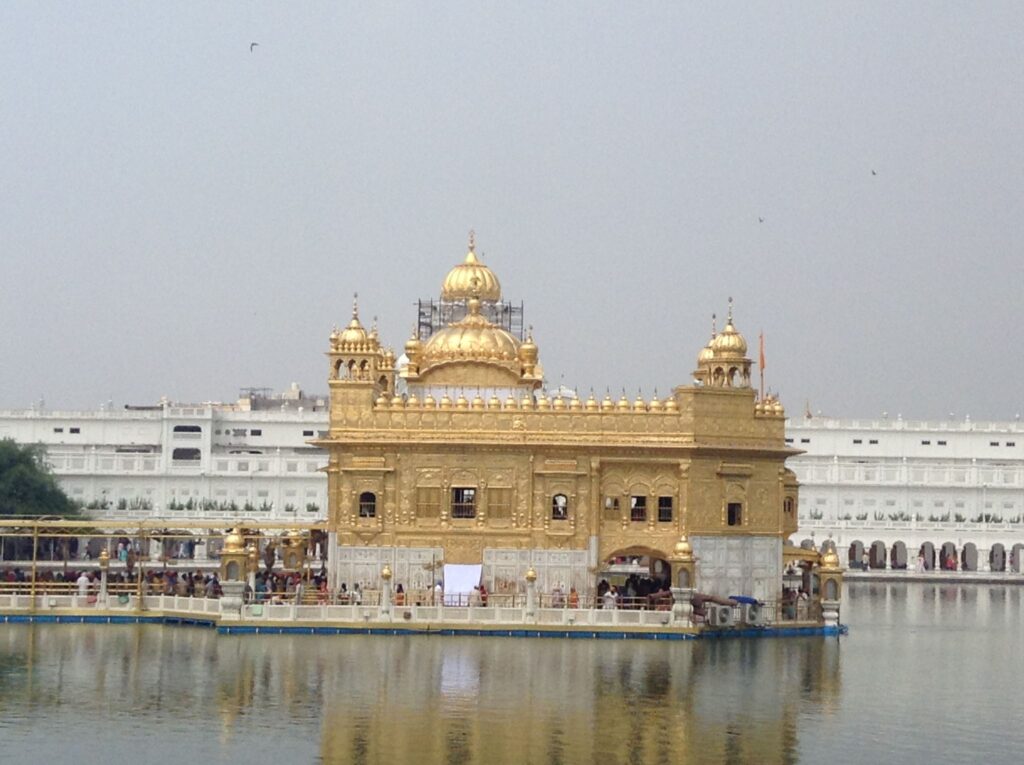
x=27 y=487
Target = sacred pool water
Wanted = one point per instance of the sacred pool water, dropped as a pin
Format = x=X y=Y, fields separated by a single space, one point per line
x=927 y=674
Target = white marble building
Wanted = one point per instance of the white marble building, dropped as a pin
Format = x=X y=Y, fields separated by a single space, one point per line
x=953 y=488
x=247 y=460
x=889 y=487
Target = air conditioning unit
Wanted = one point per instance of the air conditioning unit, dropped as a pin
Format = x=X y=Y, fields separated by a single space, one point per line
x=720 y=616
x=753 y=614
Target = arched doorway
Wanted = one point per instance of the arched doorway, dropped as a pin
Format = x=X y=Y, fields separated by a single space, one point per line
x=1016 y=561
x=997 y=557
x=876 y=556
x=927 y=554
x=639 y=577
x=855 y=557
x=898 y=556
x=949 y=560
x=969 y=559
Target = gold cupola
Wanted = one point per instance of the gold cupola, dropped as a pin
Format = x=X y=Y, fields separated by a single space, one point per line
x=354 y=333
x=528 y=354
x=723 y=362
x=729 y=343
x=471 y=278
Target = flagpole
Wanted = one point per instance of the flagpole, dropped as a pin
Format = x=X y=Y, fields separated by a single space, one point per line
x=761 y=359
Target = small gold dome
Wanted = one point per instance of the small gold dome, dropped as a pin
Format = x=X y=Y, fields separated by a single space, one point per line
x=729 y=341
x=640 y=405
x=385 y=573
x=528 y=350
x=413 y=344
x=510 y=402
x=830 y=559
x=575 y=404
x=607 y=404
x=531 y=575
x=382 y=400
x=655 y=404
x=471 y=278
x=413 y=400
x=592 y=405
x=558 y=403
x=354 y=332
x=478 y=402
x=461 y=402
x=623 y=404
x=493 y=402
x=671 y=405
x=446 y=403
x=233 y=542
x=683 y=548
x=429 y=402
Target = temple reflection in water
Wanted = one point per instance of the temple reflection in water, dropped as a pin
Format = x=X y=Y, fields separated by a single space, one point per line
x=445 y=700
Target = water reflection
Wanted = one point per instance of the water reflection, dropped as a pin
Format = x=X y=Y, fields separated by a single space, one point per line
x=366 y=699
x=927 y=673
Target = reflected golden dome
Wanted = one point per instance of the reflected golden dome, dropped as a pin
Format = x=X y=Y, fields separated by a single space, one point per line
x=471 y=278
x=830 y=559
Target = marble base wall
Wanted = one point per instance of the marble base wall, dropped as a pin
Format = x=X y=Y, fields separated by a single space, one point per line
x=739 y=565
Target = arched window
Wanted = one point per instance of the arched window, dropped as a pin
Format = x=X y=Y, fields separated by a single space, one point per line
x=367 y=505
x=787 y=506
x=559 y=507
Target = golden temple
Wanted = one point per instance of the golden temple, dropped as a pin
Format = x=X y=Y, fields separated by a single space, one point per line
x=454 y=453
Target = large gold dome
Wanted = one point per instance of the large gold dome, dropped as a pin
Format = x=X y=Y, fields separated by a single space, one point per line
x=471 y=339
x=471 y=278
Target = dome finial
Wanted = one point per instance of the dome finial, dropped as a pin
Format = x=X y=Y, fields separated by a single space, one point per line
x=729 y=319
x=472 y=240
x=355 y=305
x=714 y=328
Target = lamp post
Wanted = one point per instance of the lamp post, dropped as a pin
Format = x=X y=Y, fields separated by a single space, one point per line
x=830 y=583
x=685 y=569
x=104 y=565
x=531 y=594
x=385 y=592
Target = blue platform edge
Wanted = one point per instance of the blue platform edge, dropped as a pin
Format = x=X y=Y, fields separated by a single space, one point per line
x=523 y=632
x=86 y=619
x=578 y=634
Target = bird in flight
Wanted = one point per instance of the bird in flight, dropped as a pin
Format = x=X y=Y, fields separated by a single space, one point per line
x=252 y=46
x=760 y=219
x=874 y=172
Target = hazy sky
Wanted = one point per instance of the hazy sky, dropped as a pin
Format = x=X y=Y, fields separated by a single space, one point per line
x=182 y=216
